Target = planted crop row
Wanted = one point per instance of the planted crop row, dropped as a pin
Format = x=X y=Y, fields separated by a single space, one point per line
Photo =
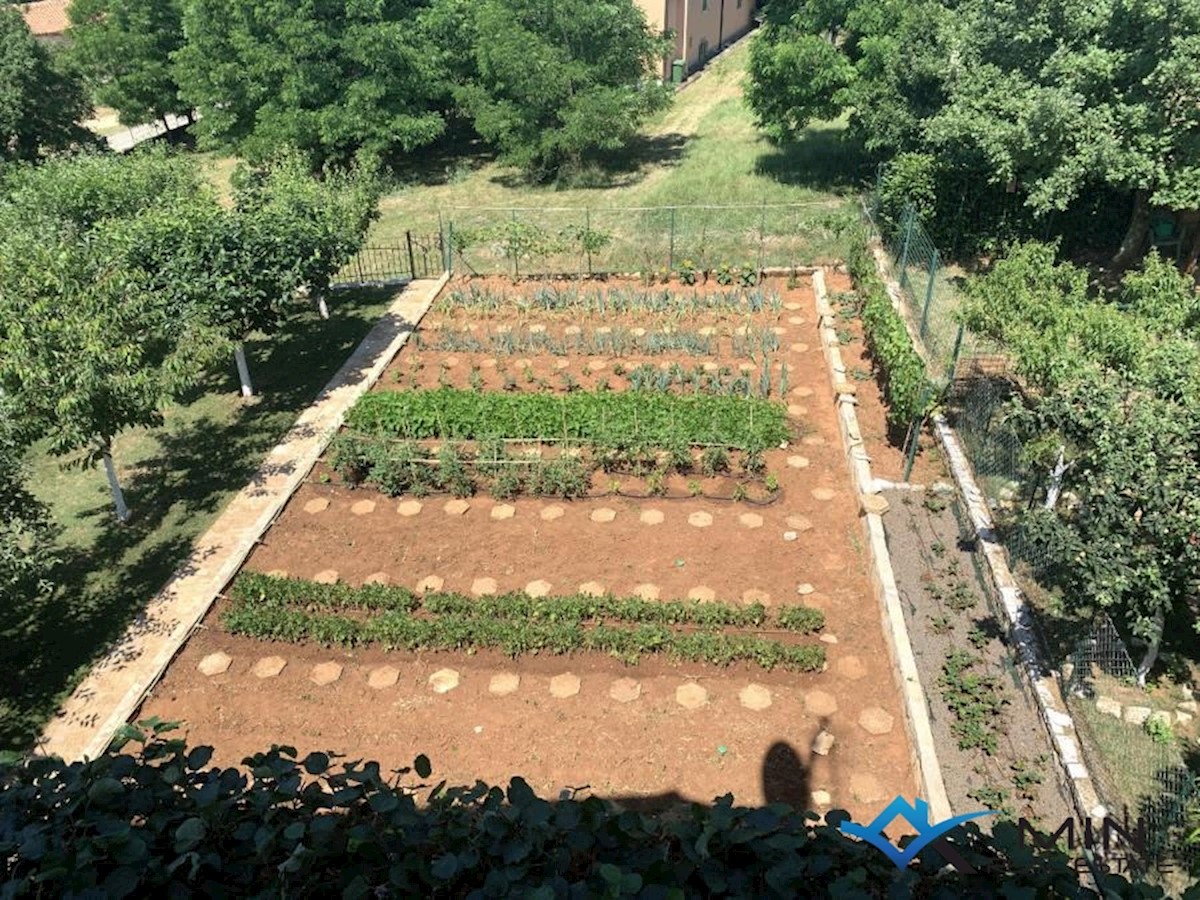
x=252 y=588
x=394 y=630
x=615 y=300
x=906 y=383
x=398 y=467
x=604 y=418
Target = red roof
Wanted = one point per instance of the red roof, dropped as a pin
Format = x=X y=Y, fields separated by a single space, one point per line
x=46 y=18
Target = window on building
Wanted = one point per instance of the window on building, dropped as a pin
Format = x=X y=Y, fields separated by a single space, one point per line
x=703 y=5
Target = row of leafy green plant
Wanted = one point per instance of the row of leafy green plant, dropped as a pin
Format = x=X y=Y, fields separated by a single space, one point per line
x=162 y=821
x=609 y=419
x=602 y=341
x=906 y=383
x=256 y=587
x=752 y=380
x=288 y=610
x=398 y=467
x=608 y=301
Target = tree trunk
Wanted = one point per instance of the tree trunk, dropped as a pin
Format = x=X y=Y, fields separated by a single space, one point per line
x=114 y=486
x=1135 y=235
x=239 y=356
x=1056 y=479
x=1151 y=656
x=1193 y=255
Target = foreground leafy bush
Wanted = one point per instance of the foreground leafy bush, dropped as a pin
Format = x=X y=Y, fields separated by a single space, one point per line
x=517 y=624
x=608 y=419
x=905 y=381
x=160 y=822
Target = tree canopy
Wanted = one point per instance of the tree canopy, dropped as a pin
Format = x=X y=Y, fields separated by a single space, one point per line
x=330 y=79
x=1050 y=100
x=556 y=79
x=124 y=48
x=1110 y=412
x=41 y=103
x=123 y=277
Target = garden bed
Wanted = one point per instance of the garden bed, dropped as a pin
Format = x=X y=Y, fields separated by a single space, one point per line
x=689 y=717
x=994 y=750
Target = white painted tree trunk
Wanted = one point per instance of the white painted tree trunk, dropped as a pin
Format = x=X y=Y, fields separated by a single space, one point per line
x=1056 y=479
x=1147 y=663
x=322 y=307
x=239 y=355
x=114 y=486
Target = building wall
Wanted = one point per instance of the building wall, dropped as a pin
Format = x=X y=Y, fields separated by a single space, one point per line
x=710 y=30
x=702 y=27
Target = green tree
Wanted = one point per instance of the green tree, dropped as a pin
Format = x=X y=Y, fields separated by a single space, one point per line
x=238 y=270
x=41 y=103
x=1050 y=100
x=331 y=79
x=84 y=354
x=559 y=79
x=124 y=48
x=1110 y=420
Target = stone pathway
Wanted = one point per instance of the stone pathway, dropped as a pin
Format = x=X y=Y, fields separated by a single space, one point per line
x=114 y=688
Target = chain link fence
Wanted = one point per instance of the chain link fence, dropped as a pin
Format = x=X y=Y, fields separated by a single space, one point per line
x=1136 y=767
x=1128 y=742
x=570 y=241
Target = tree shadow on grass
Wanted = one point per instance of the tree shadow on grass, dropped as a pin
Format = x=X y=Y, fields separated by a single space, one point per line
x=618 y=169
x=174 y=494
x=822 y=159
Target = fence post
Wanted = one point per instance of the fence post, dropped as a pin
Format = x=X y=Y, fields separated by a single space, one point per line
x=762 y=233
x=910 y=214
x=587 y=236
x=958 y=342
x=450 y=247
x=933 y=267
x=412 y=259
x=671 y=245
x=515 y=245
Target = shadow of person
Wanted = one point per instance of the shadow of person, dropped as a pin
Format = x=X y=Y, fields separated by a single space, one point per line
x=784 y=777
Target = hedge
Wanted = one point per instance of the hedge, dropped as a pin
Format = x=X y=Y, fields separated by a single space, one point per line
x=160 y=821
x=604 y=418
x=906 y=384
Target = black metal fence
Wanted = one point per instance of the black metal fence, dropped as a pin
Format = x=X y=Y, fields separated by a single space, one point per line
x=420 y=256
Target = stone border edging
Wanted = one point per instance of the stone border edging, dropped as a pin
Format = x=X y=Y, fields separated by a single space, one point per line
x=883 y=580
x=1022 y=629
x=119 y=681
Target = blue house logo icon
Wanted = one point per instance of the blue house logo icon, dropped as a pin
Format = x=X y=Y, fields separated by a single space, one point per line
x=917 y=815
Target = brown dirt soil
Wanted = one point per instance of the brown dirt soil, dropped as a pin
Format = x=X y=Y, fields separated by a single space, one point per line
x=650 y=747
x=932 y=554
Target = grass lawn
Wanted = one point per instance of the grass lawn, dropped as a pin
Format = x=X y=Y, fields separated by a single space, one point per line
x=704 y=150
x=177 y=480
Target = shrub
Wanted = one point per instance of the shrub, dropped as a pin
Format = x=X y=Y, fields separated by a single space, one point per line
x=161 y=821
x=906 y=384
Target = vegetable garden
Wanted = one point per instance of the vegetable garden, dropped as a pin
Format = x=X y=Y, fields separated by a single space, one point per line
x=591 y=531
